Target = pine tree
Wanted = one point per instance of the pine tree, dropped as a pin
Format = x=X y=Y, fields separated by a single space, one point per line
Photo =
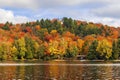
x=92 y=53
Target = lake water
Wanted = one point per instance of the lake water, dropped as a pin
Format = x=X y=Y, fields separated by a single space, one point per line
x=60 y=70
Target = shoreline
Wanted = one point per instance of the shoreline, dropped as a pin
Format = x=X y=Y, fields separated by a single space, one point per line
x=60 y=60
x=86 y=60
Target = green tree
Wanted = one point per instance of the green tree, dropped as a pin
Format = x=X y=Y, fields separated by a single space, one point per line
x=46 y=24
x=6 y=26
x=72 y=52
x=41 y=51
x=37 y=22
x=29 y=47
x=1 y=52
x=92 y=53
x=116 y=49
x=41 y=33
x=70 y=24
x=42 y=23
x=56 y=25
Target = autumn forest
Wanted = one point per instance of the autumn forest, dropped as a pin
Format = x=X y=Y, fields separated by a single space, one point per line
x=47 y=39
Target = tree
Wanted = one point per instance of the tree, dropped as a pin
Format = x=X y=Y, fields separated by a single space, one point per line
x=6 y=26
x=57 y=26
x=92 y=53
x=72 y=49
x=1 y=52
x=89 y=39
x=21 y=47
x=80 y=44
x=70 y=24
x=4 y=51
x=71 y=52
x=29 y=47
x=85 y=48
x=37 y=22
x=40 y=51
x=41 y=33
x=53 y=47
x=47 y=24
x=104 y=49
x=116 y=49
x=14 y=53
x=63 y=45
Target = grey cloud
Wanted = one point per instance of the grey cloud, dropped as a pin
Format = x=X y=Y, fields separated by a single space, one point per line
x=29 y=4
x=112 y=10
x=36 y=4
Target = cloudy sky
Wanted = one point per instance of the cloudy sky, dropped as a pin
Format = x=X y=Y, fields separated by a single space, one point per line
x=98 y=11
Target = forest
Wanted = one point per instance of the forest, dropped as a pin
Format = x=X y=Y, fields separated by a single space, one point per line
x=49 y=39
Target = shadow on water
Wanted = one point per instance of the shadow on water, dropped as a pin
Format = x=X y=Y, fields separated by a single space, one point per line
x=59 y=70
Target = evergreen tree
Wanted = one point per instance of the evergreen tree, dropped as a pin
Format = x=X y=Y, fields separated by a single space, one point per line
x=116 y=49
x=92 y=53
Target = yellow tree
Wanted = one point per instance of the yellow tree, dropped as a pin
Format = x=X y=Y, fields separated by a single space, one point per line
x=63 y=45
x=80 y=43
x=14 y=52
x=104 y=48
x=22 y=49
x=53 y=47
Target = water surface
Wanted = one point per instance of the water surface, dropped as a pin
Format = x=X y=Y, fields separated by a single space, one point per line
x=60 y=70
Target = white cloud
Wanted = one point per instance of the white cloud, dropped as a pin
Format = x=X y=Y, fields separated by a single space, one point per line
x=104 y=11
x=104 y=20
x=7 y=15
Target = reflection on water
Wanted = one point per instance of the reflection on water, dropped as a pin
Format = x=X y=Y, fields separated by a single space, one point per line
x=66 y=71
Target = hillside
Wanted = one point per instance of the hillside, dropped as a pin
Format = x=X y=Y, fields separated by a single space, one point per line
x=58 y=39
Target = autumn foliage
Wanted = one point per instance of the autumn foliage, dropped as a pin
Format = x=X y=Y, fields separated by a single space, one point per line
x=58 y=39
